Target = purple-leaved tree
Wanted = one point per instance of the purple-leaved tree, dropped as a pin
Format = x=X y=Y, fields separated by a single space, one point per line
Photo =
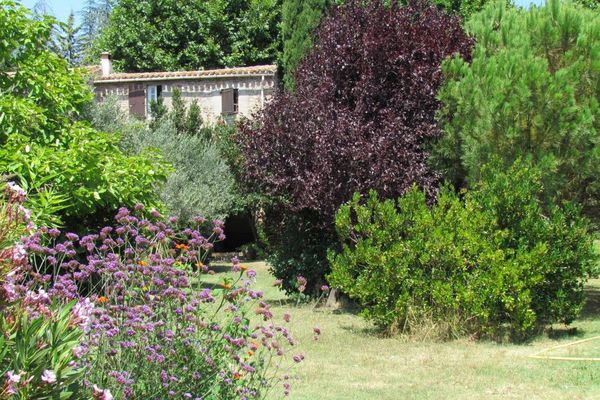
x=363 y=108
x=361 y=115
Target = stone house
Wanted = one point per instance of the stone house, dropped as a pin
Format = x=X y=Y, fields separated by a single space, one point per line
x=220 y=93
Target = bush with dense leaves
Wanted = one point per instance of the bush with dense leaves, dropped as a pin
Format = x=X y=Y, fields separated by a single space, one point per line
x=363 y=109
x=493 y=261
x=531 y=89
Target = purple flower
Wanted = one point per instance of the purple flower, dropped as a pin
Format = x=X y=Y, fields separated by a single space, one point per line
x=49 y=377
x=251 y=273
x=298 y=358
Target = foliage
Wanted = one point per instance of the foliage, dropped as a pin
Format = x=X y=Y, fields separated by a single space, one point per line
x=186 y=121
x=530 y=90
x=363 y=108
x=67 y=42
x=94 y=18
x=593 y=4
x=464 y=8
x=200 y=182
x=146 y=296
x=37 y=337
x=360 y=113
x=70 y=171
x=36 y=354
x=492 y=260
x=182 y=34
x=299 y=18
x=297 y=246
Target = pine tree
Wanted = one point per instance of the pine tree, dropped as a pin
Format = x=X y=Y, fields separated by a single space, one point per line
x=41 y=8
x=299 y=20
x=530 y=91
x=178 y=111
x=67 y=42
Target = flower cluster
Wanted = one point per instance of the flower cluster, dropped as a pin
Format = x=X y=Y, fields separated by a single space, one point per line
x=153 y=327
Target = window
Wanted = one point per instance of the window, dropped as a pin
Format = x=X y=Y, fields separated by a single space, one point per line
x=229 y=101
x=152 y=94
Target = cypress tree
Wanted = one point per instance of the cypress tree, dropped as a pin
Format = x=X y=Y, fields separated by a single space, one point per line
x=299 y=20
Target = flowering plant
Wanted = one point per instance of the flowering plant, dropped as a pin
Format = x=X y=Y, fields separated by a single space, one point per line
x=37 y=336
x=153 y=328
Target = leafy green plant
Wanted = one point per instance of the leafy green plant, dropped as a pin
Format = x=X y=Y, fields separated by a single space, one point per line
x=200 y=181
x=37 y=358
x=169 y=35
x=490 y=261
x=71 y=171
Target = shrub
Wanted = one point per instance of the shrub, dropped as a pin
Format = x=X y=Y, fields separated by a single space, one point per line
x=529 y=90
x=363 y=108
x=71 y=172
x=297 y=246
x=200 y=182
x=36 y=337
x=491 y=261
x=36 y=353
x=153 y=327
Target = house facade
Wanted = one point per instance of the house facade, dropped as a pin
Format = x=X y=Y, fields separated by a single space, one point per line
x=221 y=94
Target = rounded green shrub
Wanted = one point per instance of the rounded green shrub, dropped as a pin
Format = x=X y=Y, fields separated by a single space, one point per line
x=493 y=261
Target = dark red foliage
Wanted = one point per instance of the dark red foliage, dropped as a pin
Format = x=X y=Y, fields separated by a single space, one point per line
x=363 y=109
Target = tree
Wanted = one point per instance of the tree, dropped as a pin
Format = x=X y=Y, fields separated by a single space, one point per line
x=66 y=42
x=94 y=15
x=72 y=172
x=299 y=18
x=191 y=34
x=363 y=108
x=41 y=8
x=530 y=91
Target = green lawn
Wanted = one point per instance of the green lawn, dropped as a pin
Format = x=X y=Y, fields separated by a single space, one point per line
x=351 y=362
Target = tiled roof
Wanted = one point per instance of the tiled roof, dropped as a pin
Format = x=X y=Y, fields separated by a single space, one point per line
x=211 y=73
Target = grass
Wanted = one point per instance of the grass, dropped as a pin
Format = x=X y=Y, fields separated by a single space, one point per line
x=351 y=362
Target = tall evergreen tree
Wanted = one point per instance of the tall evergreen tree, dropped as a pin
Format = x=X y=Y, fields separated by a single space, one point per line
x=299 y=18
x=94 y=16
x=67 y=42
x=41 y=8
x=530 y=91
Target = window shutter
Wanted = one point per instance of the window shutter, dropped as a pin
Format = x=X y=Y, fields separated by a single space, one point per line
x=227 y=106
x=137 y=99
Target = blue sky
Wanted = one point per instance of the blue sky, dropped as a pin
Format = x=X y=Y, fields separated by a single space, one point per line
x=62 y=8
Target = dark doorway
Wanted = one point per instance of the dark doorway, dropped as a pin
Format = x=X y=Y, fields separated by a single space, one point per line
x=238 y=232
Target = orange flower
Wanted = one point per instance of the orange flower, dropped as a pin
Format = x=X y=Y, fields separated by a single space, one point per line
x=102 y=299
x=142 y=263
x=243 y=267
x=226 y=285
x=181 y=246
x=237 y=375
x=250 y=353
